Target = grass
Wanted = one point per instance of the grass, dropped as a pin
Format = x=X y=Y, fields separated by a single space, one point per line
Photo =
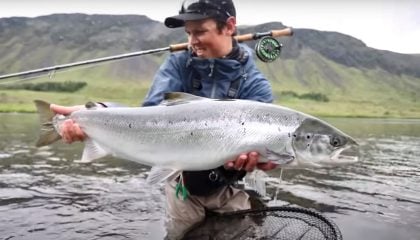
x=126 y=92
x=132 y=94
x=357 y=93
x=353 y=109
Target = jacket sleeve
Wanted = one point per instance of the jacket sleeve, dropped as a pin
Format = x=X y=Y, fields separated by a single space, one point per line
x=166 y=79
x=256 y=86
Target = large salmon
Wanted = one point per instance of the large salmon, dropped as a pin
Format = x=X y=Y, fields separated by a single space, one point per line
x=187 y=132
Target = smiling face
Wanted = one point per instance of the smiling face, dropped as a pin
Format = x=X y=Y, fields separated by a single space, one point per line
x=319 y=144
x=207 y=41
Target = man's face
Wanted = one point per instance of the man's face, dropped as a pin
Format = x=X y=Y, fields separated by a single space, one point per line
x=206 y=40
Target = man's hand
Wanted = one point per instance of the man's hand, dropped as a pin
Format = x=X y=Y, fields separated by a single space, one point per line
x=70 y=131
x=249 y=162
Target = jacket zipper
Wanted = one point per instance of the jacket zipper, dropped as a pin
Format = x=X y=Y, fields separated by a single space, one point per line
x=213 y=89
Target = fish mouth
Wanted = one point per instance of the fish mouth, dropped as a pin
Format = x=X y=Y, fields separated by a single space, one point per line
x=346 y=155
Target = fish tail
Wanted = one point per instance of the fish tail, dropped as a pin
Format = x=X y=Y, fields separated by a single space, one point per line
x=48 y=134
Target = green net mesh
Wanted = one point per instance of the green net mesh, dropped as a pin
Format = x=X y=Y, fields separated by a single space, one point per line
x=267 y=223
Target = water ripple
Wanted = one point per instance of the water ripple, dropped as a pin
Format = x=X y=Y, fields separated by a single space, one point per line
x=46 y=194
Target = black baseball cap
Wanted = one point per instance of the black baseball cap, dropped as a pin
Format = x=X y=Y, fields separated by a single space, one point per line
x=220 y=10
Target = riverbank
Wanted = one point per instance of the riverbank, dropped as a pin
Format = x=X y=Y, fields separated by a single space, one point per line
x=131 y=94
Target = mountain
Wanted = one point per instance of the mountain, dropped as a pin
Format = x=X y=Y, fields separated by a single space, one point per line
x=58 y=39
x=357 y=80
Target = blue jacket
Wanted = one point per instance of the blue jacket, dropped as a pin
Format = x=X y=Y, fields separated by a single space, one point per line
x=212 y=78
x=176 y=74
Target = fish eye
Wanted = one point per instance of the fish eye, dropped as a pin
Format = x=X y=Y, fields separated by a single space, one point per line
x=335 y=141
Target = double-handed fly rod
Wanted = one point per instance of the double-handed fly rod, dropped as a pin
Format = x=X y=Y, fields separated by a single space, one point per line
x=267 y=49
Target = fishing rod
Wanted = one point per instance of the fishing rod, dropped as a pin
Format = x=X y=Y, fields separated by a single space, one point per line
x=267 y=49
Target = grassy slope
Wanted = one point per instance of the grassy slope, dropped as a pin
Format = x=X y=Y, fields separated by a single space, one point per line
x=99 y=88
x=352 y=93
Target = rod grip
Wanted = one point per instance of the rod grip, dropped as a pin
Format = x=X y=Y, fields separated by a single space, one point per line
x=178 y=47
x=272 y=33
x=245 y=37
x=283 y=32
x=240 y=38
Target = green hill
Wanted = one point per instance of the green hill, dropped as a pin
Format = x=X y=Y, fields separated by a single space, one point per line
x=354 y=79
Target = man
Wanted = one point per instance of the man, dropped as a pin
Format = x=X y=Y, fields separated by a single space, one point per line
x=216 y=66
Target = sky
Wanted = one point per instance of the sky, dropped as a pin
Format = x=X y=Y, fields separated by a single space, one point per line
x=392 y=25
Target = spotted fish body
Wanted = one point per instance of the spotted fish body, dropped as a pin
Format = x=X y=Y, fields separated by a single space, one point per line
x=193 y=133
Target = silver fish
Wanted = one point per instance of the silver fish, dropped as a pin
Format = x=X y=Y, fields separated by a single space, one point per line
x=187 y=132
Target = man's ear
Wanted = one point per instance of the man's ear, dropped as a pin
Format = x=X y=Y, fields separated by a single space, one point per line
x=231 y=26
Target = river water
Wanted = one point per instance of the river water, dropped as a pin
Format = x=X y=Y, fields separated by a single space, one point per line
x=45 y=193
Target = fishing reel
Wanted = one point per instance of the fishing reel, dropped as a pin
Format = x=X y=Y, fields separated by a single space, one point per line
x=268 y=49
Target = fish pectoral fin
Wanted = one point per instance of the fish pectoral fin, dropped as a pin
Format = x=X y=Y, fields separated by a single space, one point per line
x=92 y=151
x=279 y=158
x=256 y=181
x=158 y=174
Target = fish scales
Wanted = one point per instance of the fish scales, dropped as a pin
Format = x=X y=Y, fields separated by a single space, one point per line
x=219 y=130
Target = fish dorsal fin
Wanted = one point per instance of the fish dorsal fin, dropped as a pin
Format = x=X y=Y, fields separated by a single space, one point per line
x=175 y=98
x=90 y=105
